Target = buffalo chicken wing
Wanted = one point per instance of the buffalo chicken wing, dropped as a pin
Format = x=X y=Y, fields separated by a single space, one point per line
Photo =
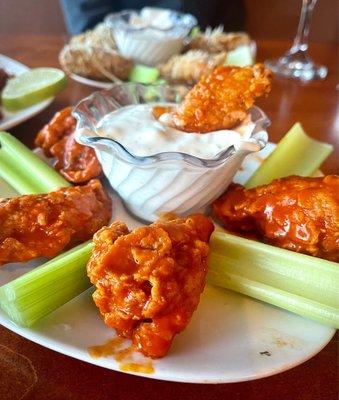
x=148 y=281
x=221 y=99
x=295 y=213
x=44 y=225
x=77 y=163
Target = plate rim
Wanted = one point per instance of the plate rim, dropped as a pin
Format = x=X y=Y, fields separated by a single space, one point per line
x=25 y=114
x=90 y=82
x=72 y=352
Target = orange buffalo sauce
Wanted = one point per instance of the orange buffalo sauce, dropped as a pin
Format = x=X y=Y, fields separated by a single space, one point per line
x=136 y=367
x=107 y=349
x=122 y=354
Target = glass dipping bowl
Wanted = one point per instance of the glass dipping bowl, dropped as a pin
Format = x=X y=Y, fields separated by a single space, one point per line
x=149 y=45
x=167 y=182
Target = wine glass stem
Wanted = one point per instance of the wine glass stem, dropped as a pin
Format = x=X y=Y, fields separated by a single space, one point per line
x=301 y=40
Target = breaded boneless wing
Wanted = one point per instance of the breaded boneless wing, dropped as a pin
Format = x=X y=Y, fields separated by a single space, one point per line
x=44 y=225
x=148 y=281
x=221 y=99
x=295 y=213
x=76 y=162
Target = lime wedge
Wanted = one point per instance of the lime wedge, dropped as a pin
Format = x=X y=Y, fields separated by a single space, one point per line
x=32 y=87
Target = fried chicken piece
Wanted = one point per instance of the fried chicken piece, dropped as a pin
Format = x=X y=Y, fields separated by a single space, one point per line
x=94 y=54
x=148 y=281
x=295 y=213
x=216 y=40
x=191 y=66
x=62 y=124
x=44 y=225
x=77 y=163
x=221 y=100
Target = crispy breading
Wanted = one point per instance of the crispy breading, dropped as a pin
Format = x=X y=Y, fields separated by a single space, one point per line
x=191 y=66
x=148 y=281
x=44 y=225
x=295 y=213
x=76 y=162
x=221 y=100
x=62 y=124
x=93 y=54
x=216 y=40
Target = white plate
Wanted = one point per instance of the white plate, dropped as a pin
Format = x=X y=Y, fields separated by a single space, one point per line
x=90 y=82
x=231 y=337
x=12 y=119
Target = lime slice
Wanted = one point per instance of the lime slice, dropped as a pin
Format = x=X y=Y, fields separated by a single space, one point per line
x=32 y=87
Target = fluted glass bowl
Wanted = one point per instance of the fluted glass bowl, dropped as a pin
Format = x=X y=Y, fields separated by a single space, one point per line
x=165 y=182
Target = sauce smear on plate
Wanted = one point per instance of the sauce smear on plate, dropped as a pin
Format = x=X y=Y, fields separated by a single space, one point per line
x=123 y=355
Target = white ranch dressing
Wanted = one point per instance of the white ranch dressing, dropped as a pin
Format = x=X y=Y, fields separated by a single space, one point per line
x=150 y=17
x=136 y=128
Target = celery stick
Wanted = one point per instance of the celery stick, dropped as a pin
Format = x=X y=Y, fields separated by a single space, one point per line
x=143 y=74
x=195 y=32
x=24 y=170
x=296 y=282
x=296 y=154
x=321 y=313
x=240 y=56
x=36 y=294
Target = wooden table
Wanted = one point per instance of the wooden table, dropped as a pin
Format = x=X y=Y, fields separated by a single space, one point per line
x=45 y=374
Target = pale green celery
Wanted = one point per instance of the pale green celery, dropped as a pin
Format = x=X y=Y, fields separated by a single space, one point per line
x=24 y=170
x=296 y=282
x=295 y=154
x=36 y=294
x=195 y=32
x=240 y=57
x=143 y=74
x=39 y=292
x=160 y=81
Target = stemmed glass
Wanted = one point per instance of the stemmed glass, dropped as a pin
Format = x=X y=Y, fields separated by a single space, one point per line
x=296 y=63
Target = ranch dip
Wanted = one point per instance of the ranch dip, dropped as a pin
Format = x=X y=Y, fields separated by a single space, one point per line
x=136 y=128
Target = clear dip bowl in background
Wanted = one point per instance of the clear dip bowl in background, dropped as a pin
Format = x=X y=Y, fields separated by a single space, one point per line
x=167 y=182
x=149 y=45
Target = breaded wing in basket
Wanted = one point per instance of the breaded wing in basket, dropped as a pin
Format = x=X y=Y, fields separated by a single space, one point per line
x=191 y=66
x=93 y=54
x=216 y=40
